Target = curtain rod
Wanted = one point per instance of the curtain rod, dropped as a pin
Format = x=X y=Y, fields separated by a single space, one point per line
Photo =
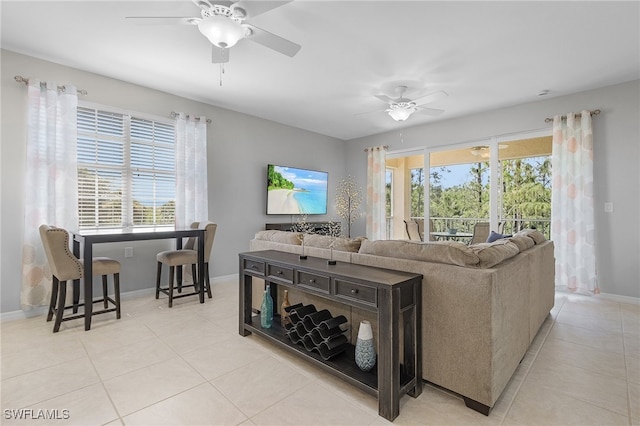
x=594 y=112
x=175 y=114
x=25 y=81
x=385 y=147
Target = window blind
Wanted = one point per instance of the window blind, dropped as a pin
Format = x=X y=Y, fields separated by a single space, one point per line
x=126 y=170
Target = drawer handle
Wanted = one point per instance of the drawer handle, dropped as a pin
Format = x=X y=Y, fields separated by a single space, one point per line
x=254 y=267
x=312 y=281
x=354 y=291
x=279 y=272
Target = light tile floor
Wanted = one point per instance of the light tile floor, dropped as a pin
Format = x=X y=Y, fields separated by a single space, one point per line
x=189 y=366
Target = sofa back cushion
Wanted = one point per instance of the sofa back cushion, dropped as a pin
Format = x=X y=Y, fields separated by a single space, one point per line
x=490 y=254
x=523 y=243
x=339 y=243
x=448 y=252
x=537 y=236
x=279 y=236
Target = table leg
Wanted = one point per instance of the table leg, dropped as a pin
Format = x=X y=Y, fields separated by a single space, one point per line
x=201 y=278
x=76 y=283
x=245 y=301
x=88 y=285
x=416 y=350
x=179 y=267
x=388 y=355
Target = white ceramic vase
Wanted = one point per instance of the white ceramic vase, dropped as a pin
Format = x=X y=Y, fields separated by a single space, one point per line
x=365 y=354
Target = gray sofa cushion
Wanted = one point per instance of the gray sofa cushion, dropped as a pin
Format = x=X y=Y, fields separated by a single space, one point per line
x=339 y=243
x=491 y=254
x=448 y=252
x=523 y=243
x=279 y=236
x=537 y=236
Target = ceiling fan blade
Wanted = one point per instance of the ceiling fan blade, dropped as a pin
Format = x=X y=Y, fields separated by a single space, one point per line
x=385 y=98
x=162 y=20
x=273 y=41
x=430 y=111
x=219 y=55
x=255 y=8
x=203 y=4
x=431 y=97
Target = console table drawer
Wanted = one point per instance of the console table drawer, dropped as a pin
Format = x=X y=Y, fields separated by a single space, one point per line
x=254 y=266
x=354 y=291
x=316 y=282
x=278 y=272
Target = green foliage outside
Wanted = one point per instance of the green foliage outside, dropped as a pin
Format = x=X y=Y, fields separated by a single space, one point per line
x=277 y=181
x=525 y=192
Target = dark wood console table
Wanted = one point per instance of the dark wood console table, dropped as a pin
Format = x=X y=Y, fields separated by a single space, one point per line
x=394 y=296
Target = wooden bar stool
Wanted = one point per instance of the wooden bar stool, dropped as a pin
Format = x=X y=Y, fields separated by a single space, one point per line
x=66 y=267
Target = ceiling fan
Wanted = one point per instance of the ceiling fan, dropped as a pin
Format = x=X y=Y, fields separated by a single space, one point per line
x=224 y=24
x=401 y=108
x=483 y=150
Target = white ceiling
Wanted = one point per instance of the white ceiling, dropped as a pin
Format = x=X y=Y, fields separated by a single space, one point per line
x=485 y=55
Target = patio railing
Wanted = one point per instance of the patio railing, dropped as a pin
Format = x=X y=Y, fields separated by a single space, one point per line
x=465 y=224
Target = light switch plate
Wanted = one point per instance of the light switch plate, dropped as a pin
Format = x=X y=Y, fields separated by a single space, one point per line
x=608 y=207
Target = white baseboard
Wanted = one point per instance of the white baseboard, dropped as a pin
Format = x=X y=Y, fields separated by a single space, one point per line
x=42 y=310
x=620 y=299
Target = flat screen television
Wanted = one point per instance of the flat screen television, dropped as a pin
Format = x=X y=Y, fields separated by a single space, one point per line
x=296 y=191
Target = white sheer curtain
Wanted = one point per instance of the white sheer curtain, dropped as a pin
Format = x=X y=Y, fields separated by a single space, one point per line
x=376 y=214
x=50 y=187
x=192 y=202
x=572 y=222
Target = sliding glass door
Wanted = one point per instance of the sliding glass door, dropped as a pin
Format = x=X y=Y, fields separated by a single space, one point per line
x=504 y=182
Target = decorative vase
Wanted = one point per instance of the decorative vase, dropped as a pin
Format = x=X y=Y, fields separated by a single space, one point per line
x=365 y=349
x=302 y=256
x=266 y=309
x=285 y=320
x=331 y=261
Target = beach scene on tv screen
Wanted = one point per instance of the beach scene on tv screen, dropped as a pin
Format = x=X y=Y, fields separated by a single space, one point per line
x=296 y=191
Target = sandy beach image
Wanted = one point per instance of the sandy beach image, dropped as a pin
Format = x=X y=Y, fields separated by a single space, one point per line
x=282 y=200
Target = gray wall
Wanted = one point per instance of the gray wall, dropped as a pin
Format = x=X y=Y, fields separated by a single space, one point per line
x=239 y=148
x=616 y=162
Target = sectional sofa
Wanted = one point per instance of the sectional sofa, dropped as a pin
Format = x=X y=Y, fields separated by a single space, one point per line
x=482 y=305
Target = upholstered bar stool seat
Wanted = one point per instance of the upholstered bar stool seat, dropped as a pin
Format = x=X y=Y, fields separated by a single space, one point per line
x=66 y=267
x=178 y=257
x=186 y=256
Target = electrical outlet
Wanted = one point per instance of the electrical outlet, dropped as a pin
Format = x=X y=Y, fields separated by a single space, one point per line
x=128 y=252
x=608 y=207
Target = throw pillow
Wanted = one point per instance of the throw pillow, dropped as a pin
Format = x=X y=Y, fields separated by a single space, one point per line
x=493 y=236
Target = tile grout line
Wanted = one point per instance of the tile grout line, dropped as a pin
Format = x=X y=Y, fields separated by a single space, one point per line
x=528 y=369
x=102 y=384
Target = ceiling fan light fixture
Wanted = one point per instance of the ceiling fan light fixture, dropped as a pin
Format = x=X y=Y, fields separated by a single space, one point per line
x=221 y=31
x=401 y=111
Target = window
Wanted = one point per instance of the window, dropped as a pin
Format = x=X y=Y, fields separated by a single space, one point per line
x=126 y=169
x=388 y=185
x=417 y=192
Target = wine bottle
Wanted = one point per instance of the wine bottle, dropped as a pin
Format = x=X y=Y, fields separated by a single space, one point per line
x=284 y=315
x=266 y=310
